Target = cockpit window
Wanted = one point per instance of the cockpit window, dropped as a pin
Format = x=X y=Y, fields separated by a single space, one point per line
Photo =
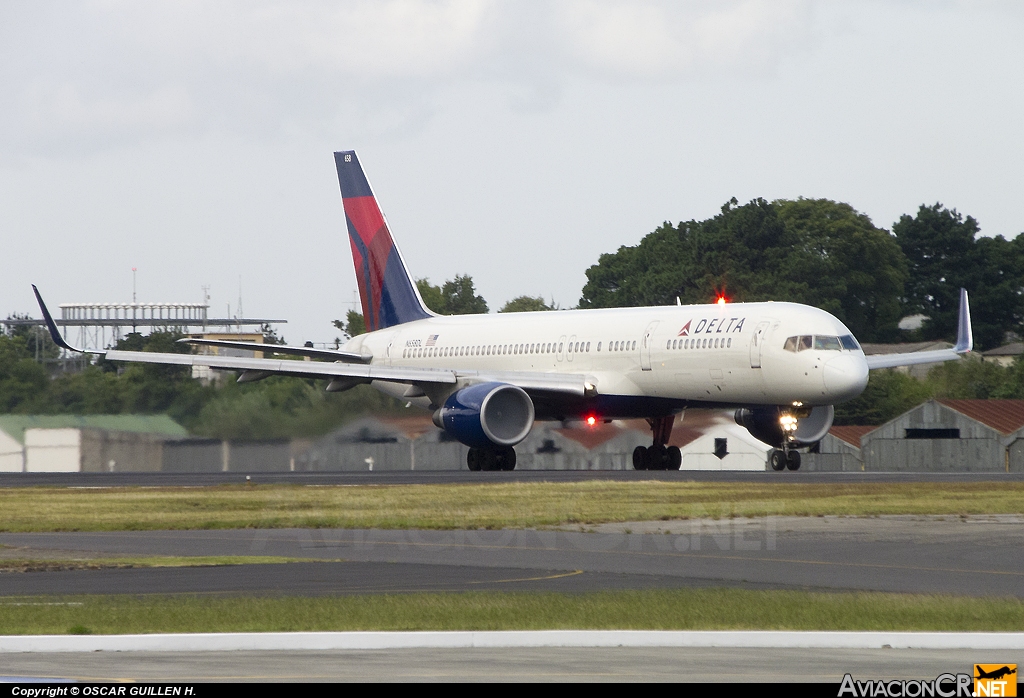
x=849 y=342
x=826 y=343
x=790 y=344
x=806 y=342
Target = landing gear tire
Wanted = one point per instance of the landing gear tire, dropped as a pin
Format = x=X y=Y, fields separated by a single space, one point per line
x=777 y=459
x=793 y=460
x=640 y=458
x=505 y=459
x=491 y=459
x=657 y=457
x=674 y=458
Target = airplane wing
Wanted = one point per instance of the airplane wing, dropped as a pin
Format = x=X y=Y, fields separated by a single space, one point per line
x=254 y=369
x=964 y=344
x=364 y=373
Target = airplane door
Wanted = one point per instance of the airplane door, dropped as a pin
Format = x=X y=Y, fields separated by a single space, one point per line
x=569 y=353
x=645 y=346
x=390 y=348
x=561 y=344
x=757 y=342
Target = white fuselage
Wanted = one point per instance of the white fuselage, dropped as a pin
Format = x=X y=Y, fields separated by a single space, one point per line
x=732 y=353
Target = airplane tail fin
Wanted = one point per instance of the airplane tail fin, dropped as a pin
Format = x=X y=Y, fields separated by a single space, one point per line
x=388 y=294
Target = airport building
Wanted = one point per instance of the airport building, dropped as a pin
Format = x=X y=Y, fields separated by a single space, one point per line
x=92 y=443
x=950 y=436
x=937 y=436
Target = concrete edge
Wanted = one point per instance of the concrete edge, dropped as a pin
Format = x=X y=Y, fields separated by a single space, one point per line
x=543 y=638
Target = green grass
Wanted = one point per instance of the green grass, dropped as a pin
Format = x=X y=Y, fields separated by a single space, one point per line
x=75 y=562
x=694 y=609
x=517 y=505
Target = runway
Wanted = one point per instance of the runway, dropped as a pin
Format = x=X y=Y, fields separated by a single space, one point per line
x=976 y=556
x=447 y=477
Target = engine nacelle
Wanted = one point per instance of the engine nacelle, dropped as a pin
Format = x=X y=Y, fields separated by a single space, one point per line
x=486 y=415
x=769 y=424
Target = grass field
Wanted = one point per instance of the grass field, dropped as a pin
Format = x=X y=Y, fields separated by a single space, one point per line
x=517 y=505
x=694 y=609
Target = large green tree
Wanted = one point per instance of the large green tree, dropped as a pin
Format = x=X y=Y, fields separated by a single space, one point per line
x=455 y=297
x=460 y=297
x=945 y=253
x=812 y=251
x=526 y=304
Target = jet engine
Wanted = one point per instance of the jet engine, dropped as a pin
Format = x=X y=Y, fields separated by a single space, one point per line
x=792 y=426
x=487 y=415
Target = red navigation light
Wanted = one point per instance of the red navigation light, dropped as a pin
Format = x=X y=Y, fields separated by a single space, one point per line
x=591 y=420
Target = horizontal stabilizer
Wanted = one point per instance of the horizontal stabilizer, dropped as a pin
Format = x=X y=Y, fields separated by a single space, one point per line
x=326 y=354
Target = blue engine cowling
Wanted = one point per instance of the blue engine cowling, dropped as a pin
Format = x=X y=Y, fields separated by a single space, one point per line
x=487 y=415
x=763 y=424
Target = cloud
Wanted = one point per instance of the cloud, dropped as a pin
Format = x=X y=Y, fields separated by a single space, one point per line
x=83 y=76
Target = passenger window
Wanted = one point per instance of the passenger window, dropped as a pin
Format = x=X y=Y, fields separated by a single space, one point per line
x=806 y=342
x=730 y=342
x=588 y=347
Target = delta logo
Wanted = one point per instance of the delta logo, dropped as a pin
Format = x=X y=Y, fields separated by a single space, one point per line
x=995 y=680
x=717 y=325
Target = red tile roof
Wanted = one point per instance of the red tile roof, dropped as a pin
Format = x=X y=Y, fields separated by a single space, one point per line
x=850 y=434
x=1005 y=416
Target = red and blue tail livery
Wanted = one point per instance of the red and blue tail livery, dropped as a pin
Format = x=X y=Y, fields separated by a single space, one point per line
x=388 y=294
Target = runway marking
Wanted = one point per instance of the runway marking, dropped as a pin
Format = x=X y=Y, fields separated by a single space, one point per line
x=530 y=579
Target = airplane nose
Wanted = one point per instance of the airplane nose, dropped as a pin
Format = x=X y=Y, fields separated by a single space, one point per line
x=845 y=377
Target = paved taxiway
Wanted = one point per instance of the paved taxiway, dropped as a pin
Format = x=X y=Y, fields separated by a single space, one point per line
x=704 y=664
x=955 y=555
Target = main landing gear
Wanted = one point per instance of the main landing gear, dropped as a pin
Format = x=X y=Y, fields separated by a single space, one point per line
x=781 y=460
x=491 y=458
x=659 y=456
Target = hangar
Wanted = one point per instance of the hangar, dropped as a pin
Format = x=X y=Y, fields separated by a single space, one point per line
x=91 y=443
x=948 y=435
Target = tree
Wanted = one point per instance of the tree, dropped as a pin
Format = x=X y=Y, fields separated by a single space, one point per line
x=431 y=296
x=945 y=254
x=460 y=297
x=817 y=252
x=856 y=269
x=353 y=324
x=526 y=304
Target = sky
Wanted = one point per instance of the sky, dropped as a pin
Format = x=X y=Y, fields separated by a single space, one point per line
x=514 y=142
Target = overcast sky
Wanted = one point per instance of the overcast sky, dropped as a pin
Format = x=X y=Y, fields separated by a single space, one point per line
x=512 y=141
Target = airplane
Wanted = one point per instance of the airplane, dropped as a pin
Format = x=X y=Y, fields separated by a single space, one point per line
x=996 y=673
x=487 y=378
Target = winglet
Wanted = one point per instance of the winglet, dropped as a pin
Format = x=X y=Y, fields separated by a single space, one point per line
x=52 y=326
x=964 y=334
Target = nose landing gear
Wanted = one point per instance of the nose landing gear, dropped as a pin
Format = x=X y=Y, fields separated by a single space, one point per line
x=659 y=456
x=780 y=459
